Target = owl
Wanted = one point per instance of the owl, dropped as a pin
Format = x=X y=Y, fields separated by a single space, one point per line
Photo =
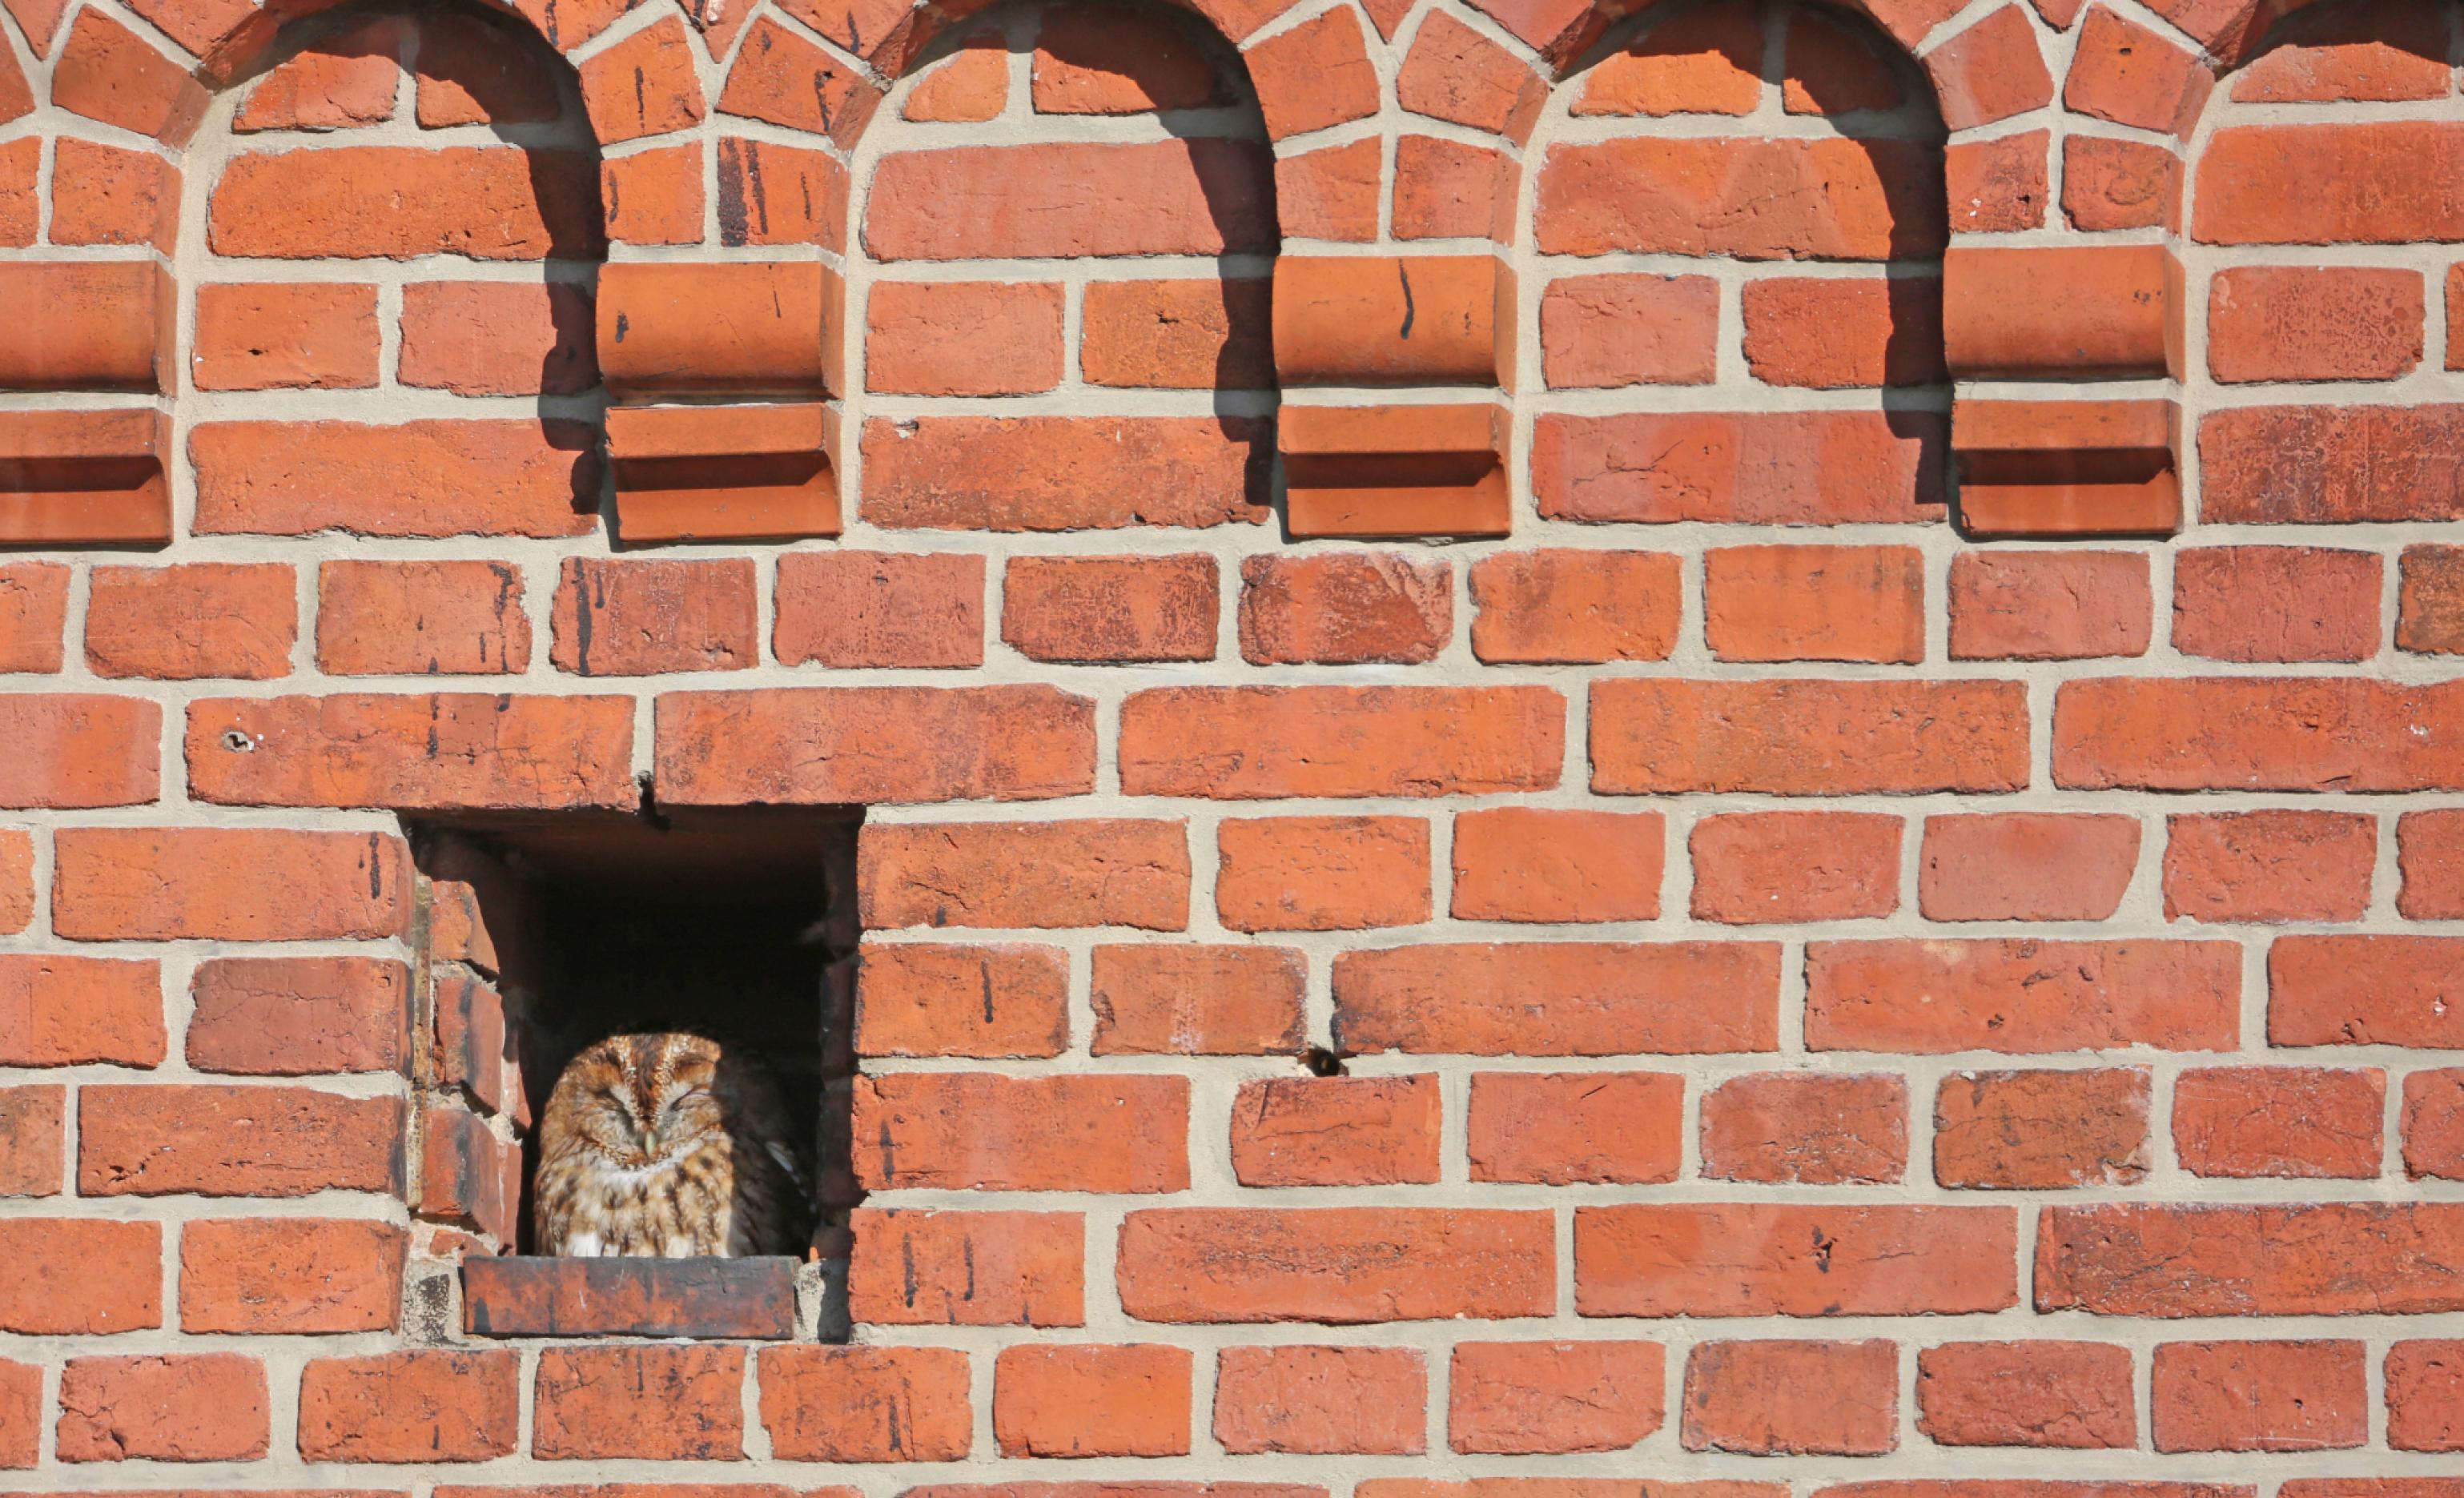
x=668 y=1145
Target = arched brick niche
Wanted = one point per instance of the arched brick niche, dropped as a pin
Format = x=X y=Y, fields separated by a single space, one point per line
x=1740 y=211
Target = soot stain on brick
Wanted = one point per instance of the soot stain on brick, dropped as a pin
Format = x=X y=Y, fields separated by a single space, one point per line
x=907 y=1269
x=1403 y=273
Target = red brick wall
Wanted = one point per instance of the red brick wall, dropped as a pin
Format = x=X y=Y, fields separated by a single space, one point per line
x=1771 y=974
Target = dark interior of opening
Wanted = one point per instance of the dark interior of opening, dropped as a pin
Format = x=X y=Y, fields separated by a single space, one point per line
x=739 y=923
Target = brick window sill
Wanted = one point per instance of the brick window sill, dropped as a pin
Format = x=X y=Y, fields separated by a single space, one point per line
x=742 y=1299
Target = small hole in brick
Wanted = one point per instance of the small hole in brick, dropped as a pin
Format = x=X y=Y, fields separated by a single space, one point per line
x=1320 y=1062
x=238 y=743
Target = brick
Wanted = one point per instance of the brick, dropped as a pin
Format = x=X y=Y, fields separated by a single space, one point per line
x=2022 y=996
x=1792 y=1398
x=1522 y=1398
x=236 y=1141
x=645 y=84
x=2048 y=605
x=1807 y=1127
x=2296 y=322
x=32 y=1121
x=1619 y=330
x=21 y=1414
x=2430 y=607
x=2278 y=1121
x=1064 y=473
x=2041 y=1130
x=2425 y=1395
x=201 y=619
x=835 y=745
x=285 y=1276
x=1455 y=73
x=979 y=1132
x=2429 y=856
x=202 y=1407
x=104 y=195
x=16 y=880
x=866 y=1403
x=1107 y=609
x=282 y=337
x=1090 y=1401
x=2255 y=734
x=2276 y=465
x=1072 y=198
x=1793 y=1260
x=962 y=338
x=411 y=751
x=468 y=1049
x=914 y=1000
x=78 y=751
x=1103 y=873
x=2026 y=866
x=473 y=69
x=1322 y=874
x=967 y=1269
x=2364 y=990
x=369 y=202
x=2371 y=51
x=1560 y=999
x=466 y=1172
x=2432 y=1123
x=107 y=72
x=2074 y=1395
x=628 y=617
x=78 y=1278
x=2132 y=74
x=1568 y=1128
x=780 y=77
x=851 y=610
x=2142 y=1259
x=968 y=87
x=1336 y=1131
x=1843 y=199
x=1345 y=609
x=498 y=337
x=1831 y=69
x=1552 y=606
x=1331 y=194
x=2275 y=603
x=1314 y=75
x=421 y=619
x=1446 y=190
x=2109 y=183
x=66 y=1011
x=1706 y=61
x=1250 y=743
x=415 y=1405
x=2367 y=183
x=1998 y=185
x=680 y=1403
x=299 y=1015
x=33 y=612
x=1815 y=603
x=1523 y=863
x=774 y=194
x=21 y=165
x=344 y=81
x=2258 y=1396
x=429 y=478
x=1830 y=333
x=2269 y=865
x=656 y=197
x=1183 y=335
x=1754 y=468
x=1807 y=737
x=1337 y=1265
x=1321 y=1401
x=1756 y=868
x=1201 y=1000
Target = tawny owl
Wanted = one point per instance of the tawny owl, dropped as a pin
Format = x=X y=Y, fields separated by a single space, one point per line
x=668 y=1145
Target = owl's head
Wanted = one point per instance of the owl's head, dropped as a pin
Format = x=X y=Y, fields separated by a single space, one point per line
x=640 y=1099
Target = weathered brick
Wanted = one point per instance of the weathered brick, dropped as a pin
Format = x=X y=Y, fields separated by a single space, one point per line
x=832 y=745
x=981 y=1132
x=1181 y=335
x=851 y=610
x=1102 y=609
x=1801 y=738
x=1557 y=1129
x=2026 y=866
x=1112 y=871
x=2364 y=990
x=33 y=613
x=1250 y=742
x=2432 y=1122
x=1553 y=605
x=2112 y=184
x=292 y=1275
x=1792 y=1398
x=80 y=1278
x=1340 y=1265
x=866 y=1403
x=2363 y=182
x=1166 y=197
x=236 y=1141
x=1753 y=199
x=1794 y=1260
x=1810 y=1128
x=1560 y=999
x=1606 y=331
x=2041 y=1131
x=2306 y=734
x=261 y=336
x=2304 y=322
x=1521 y=1399
x=1760 y=867
x=1090 y=1401
x=1815 y=603
x=21 y=1414
x=1828 y=333
x=2329 y=1259
x=1336 y=1131
x=235 y=884
x=914 y=1000
x=2042 y=606
x=1322 y=874
x=2429 y=600
x=2425 y=1395
x=1524 y=864
x=2332 y=465
x=1749 y=468
x=2275 y=603
x=197 y=1407
x=201 y=619
x=2269 y=865
x=2258 y=1396
x=421 y=619
x=78 y=750
x=491 y=478
x=1064 y=473
x=1707 y=61
x=1337 y=608
x=33 y=1123
x=1321 y=1401
x=498 y=337
x=629 y=617
x=369 y=202
x=677 y=1403
x=65 y=1011
x=962 y=338
x=1205 y=1000
x=2020 y=995
x=2069 y=1395
x=967 y=1269
x=16 y=880
x=2278 y=1121
x=416 y=1405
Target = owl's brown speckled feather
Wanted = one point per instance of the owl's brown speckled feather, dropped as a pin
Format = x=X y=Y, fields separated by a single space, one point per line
x=668 y=1146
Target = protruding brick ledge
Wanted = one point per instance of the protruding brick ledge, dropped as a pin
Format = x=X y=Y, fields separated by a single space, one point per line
x=2068 y=468
x=748 y=1298
x=724 y=472
x=1391 y=319
x=2061 y=312
x=1388 y=470
x=94 y=325
x=84 y=479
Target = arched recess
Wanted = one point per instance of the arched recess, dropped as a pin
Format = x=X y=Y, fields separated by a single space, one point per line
x=2318 y=233
x=1058 y=288
x=1738 y=214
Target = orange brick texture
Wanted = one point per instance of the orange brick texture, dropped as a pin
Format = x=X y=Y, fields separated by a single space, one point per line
x=1744 y=986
